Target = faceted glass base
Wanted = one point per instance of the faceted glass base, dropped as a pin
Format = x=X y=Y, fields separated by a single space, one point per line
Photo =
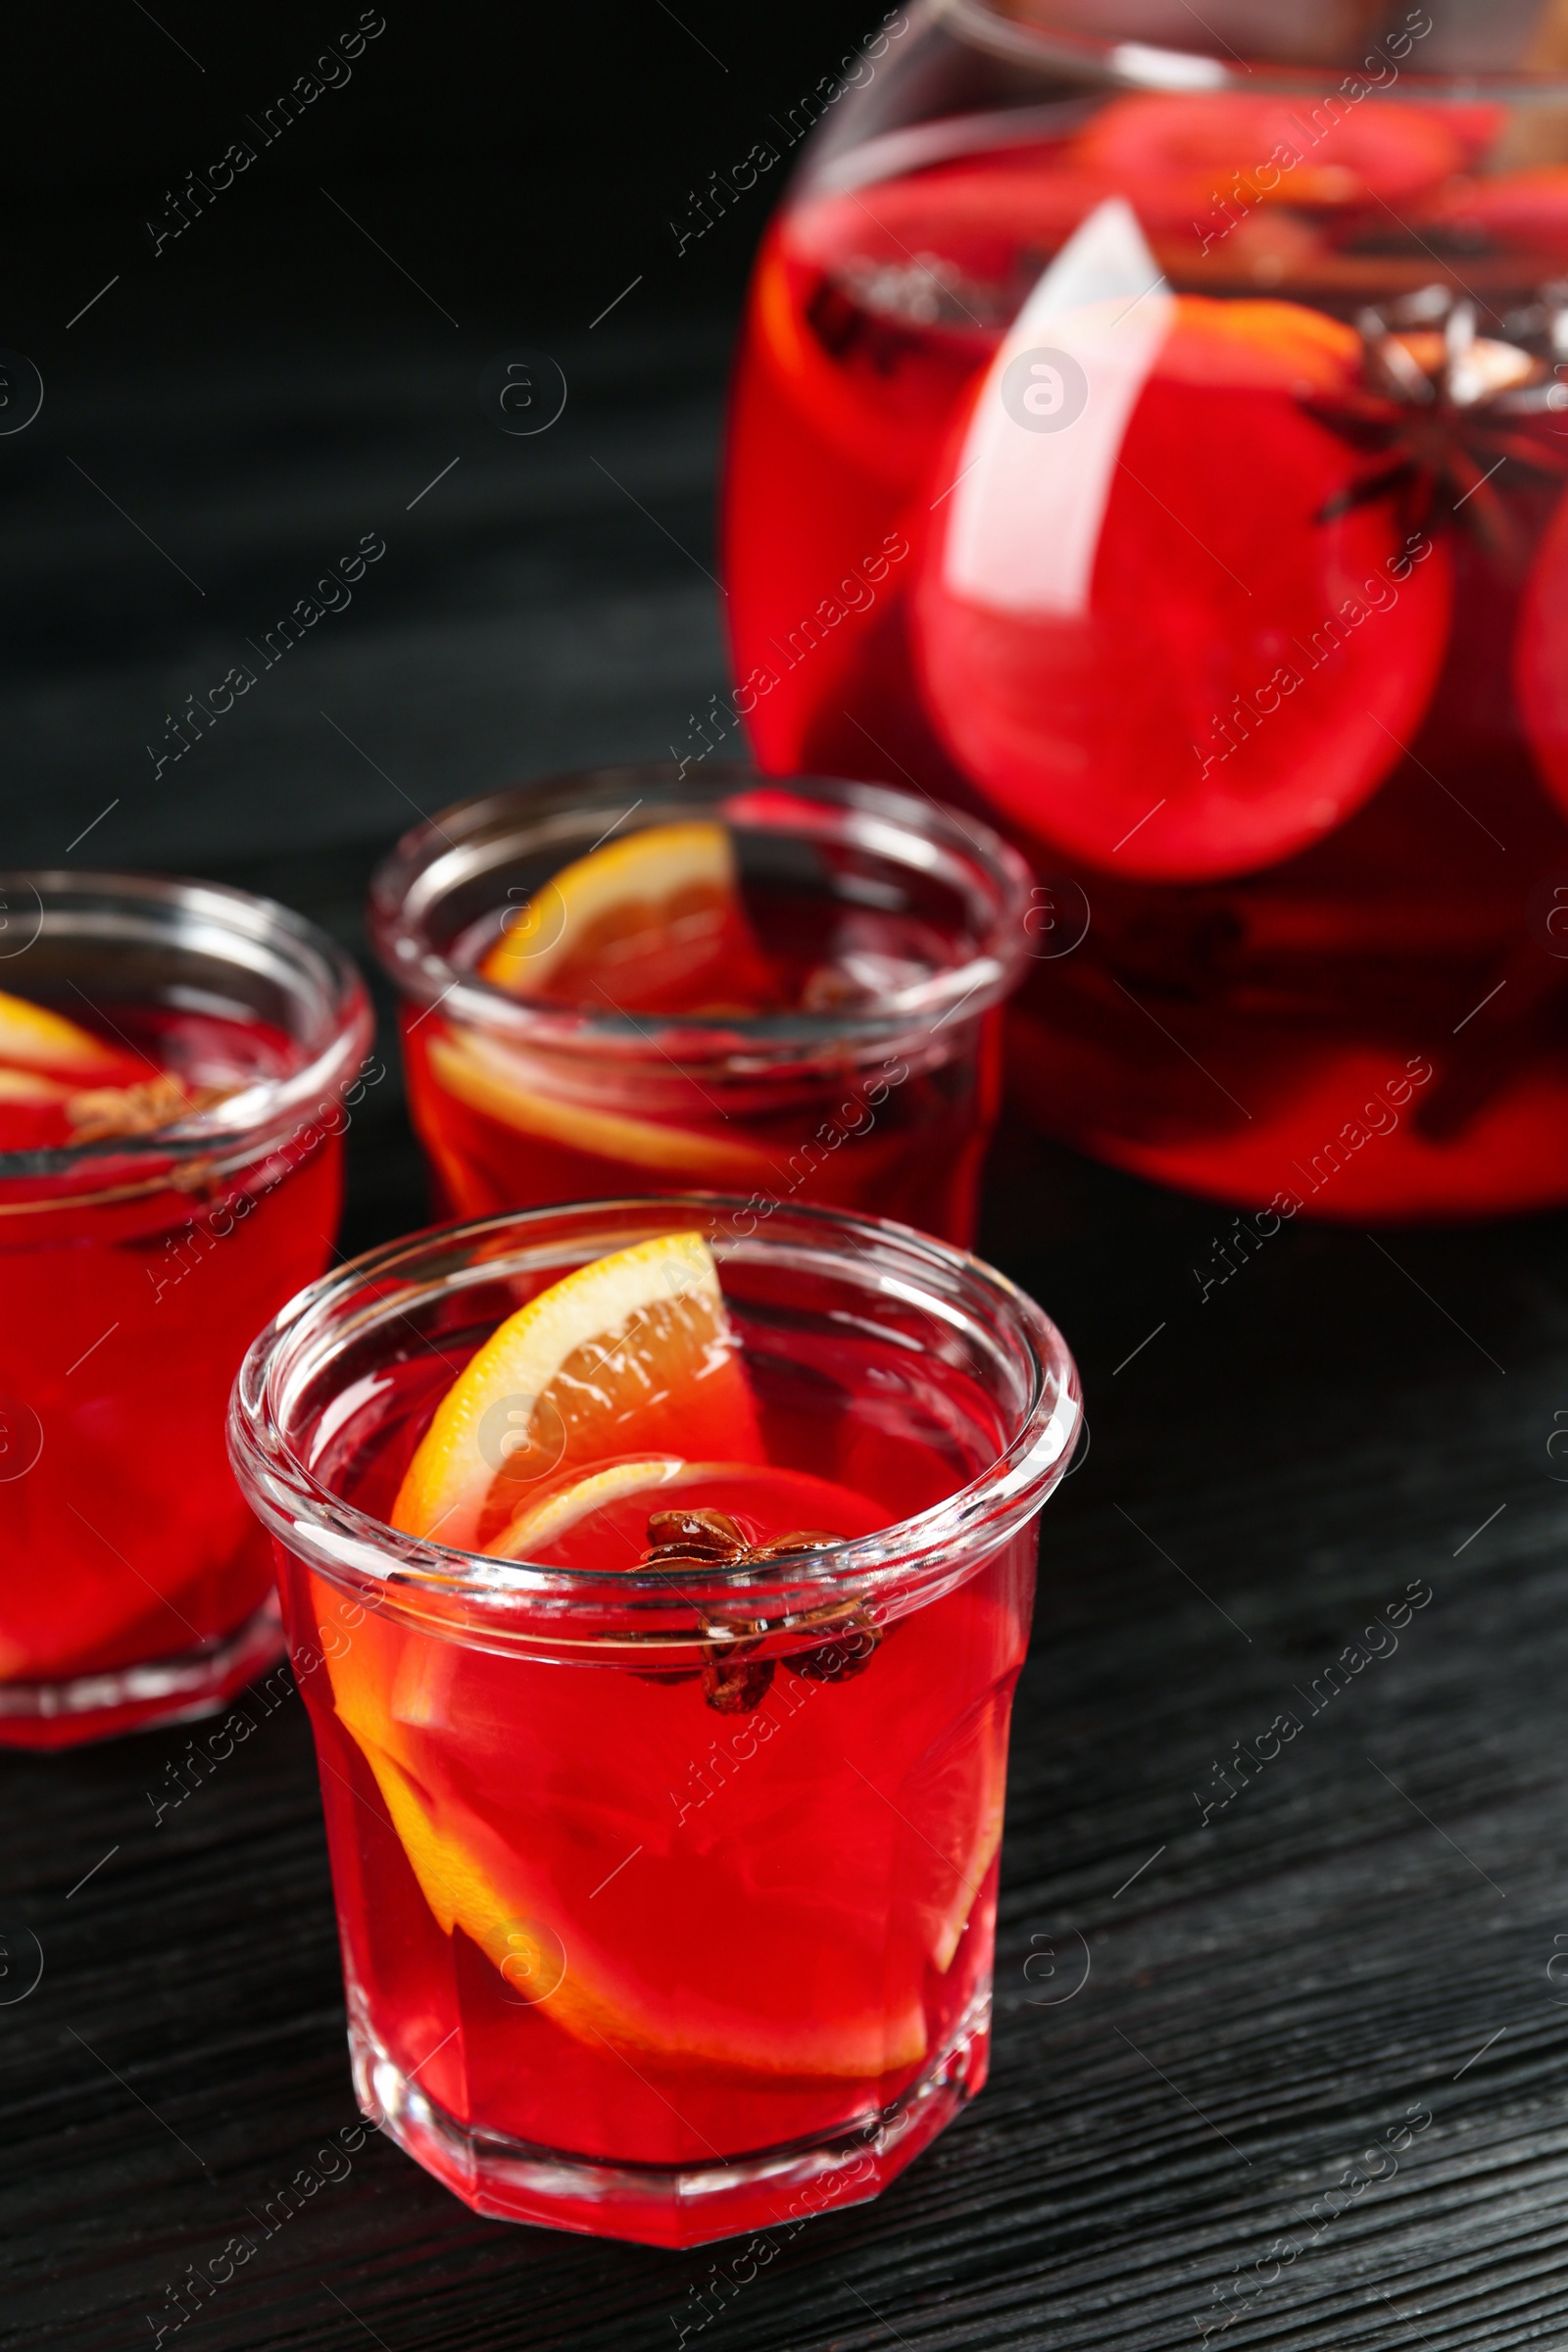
x=673 y=2205
x=98 y=1706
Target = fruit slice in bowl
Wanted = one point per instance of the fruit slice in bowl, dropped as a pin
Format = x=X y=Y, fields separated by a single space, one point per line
x=505 y=1085
x=59 y=1084
x=633 y=1352
x=1171 y=153
x=33 y=1038
x=601 y=1521
x=510 y=1849
x=651 y=923
x=49 y=1066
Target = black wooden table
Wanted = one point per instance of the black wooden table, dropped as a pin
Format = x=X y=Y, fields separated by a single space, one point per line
x=1286 y=2069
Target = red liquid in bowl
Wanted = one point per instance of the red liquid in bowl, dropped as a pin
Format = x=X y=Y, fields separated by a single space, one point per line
x=1326 y=951
x=128 y=1304
x=900 y=1135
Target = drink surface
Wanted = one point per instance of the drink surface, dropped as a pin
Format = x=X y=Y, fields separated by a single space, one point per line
x=506 y=1123
x=123 y=1536
x=67 y=1080
x=663 y=1914
x=1248 y=631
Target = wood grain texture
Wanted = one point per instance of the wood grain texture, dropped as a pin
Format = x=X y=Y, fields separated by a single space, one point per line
x=1361 y=1937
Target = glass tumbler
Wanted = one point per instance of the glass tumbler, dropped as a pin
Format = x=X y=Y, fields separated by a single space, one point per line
x=634 y=1946
x=136 y=1266
x=898 y=927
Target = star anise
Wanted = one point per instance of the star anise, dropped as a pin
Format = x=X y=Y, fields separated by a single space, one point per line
x=735 y=1681
x=1437 y=411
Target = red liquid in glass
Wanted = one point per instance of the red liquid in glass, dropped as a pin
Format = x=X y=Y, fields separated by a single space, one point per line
x=1253 y=1011
x=676 y=1937
x=905 y=1136
x=123 y=1536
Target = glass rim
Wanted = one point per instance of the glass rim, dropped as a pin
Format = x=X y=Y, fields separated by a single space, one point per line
x=441 y=852
x=1028 y=38
x=233 y=1132
x=931 y=1549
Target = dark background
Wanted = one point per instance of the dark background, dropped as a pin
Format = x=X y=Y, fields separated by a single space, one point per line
x=1365 y=1935
x=270 y=384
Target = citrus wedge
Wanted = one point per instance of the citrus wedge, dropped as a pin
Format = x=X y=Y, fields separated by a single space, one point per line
x=31 y=1087
x=651 y=923
x=33 y=1038
x=601 y=1521
x=543 y=1522
x=492 y=1080
x=587 y=1975
x=604 y=1388
x=632 y=1352
x=961 y=1800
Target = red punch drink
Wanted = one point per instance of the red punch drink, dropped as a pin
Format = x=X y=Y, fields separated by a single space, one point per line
x=172 y=1059
x=1168 y=455
x=657 y=1578
x=635 y=979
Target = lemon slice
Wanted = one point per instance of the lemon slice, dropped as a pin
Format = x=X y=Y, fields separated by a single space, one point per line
x=31 y=1037
x=634 y=1351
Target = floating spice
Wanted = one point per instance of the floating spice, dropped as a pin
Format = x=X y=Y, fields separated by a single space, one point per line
x=735 y=1682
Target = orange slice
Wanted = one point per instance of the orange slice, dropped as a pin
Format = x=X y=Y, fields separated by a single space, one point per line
x=31 y=1087
x=632 y=1352
x=651 y=923
x=393 y=1691
x=542 y=1522
x=961 y=1799
x=601 y=1521
x=31 y=1037
x=502 y=1084
x=491 y=1079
